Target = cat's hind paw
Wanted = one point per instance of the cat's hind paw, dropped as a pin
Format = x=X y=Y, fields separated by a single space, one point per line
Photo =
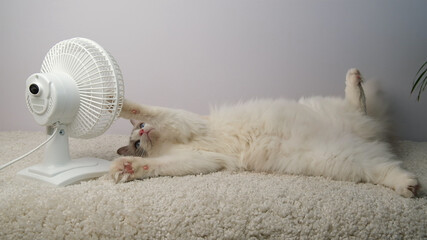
x=353 y=77
x=414 y=189
x=409 y=188
x=354 y=90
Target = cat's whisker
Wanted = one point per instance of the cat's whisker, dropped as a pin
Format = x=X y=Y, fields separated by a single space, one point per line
x=140 y=152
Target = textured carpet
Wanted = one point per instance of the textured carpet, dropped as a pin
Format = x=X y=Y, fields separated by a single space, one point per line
x=221 y=205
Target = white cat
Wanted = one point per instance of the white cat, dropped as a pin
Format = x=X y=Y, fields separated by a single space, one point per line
x=343 y=139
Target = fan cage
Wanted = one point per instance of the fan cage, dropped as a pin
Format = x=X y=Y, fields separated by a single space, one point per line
x=98 y=79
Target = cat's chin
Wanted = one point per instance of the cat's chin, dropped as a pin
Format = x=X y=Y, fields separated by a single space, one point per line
x=148 y=140
x=150 y=131
x=150 y=134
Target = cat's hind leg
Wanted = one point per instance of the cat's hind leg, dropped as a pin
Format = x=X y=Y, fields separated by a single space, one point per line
x=391 y=174
x=354 y=91
x=358 y=160
x=380 y=166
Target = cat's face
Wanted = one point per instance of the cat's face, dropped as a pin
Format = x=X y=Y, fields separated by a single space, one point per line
x=142 y=140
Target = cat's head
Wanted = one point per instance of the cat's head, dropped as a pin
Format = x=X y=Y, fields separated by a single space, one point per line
x=141 y=141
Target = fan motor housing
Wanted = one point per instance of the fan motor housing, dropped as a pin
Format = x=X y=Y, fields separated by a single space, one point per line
x=79 y=85
x=52 y=97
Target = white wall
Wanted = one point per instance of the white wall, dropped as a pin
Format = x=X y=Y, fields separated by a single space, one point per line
x=192 y=54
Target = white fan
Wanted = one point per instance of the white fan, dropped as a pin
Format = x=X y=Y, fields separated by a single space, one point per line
x=79 y=93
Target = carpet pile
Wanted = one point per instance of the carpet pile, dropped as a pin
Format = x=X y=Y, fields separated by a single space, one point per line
x=222 y=205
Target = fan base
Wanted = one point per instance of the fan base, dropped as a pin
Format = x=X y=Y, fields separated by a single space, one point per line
x=73 y=172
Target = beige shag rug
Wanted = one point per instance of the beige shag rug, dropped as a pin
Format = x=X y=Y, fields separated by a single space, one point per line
x=221 y=205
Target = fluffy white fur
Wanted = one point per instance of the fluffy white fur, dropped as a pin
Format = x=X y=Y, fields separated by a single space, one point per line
x=342 y=139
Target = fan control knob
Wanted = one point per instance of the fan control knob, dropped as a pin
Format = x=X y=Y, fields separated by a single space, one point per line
x=38 y=93
x=34 y=89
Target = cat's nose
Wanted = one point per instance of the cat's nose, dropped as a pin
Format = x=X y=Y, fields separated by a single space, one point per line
x=141 y=132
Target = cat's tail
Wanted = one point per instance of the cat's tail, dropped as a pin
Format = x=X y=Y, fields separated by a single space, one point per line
x=376 y=105
x=378 y=108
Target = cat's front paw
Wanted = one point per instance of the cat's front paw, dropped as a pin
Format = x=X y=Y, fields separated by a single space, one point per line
x=129 y=109
x=126 y=169
x=121 y=170
x=353 y=78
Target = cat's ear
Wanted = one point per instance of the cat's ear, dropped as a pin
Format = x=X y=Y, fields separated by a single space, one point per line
x=124 y=151
x=134 y=122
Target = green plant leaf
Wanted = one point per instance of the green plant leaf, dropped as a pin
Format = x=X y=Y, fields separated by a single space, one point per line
x=415 y=84
x=420 y=81
x=419 y=70
x=424 y=85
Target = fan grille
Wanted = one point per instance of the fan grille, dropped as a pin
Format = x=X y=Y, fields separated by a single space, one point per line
x=98 y=79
